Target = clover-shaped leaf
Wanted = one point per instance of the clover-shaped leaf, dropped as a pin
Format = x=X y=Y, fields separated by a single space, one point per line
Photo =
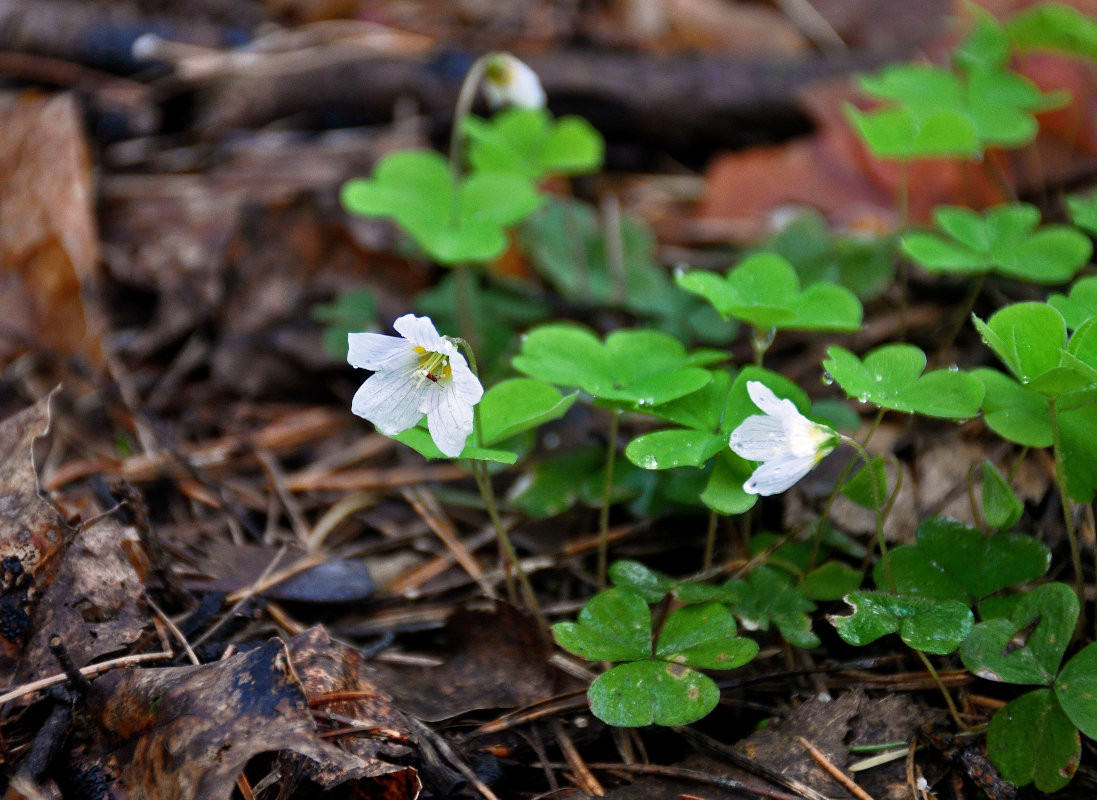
x=519 y=404
x=452 y=222
x=1027 y=337
x=1027 y=646
x=1004 y=240
x=528 y=142
x=1031 y=740
x=614 y=625
x=764 y=291
x=652 y=692
x=704 y=636
x=932 y=626
x=1080 y=305
x=891 y=377
x=632 y=367
x=770 y=596
x=955 y=562
x=1076 y=689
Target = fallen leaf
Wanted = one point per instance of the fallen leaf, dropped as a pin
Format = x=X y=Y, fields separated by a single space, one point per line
x=33 y=535
x=48 y=238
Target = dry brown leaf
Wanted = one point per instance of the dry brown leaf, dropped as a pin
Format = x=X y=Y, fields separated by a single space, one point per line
x=33 y=535
x=187 y=732
x=48 y=237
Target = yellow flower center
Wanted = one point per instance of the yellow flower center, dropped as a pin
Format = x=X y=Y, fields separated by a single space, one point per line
x=433 y=366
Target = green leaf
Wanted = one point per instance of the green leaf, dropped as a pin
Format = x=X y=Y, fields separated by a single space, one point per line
x=764 y=291
x=769 y=596
x=1076 y=689
x=1054 y=26
x=452 y=223
x=650 y=584
x=1031 y=739
x=566 y=355
x=1014 y=412
x=1027 y=646
x=1001 y=507
x=518 y=404
x=674 y=448
x=704 y=636
x=418 y=439
x=932 y=626
x=1004 y=239
x=830 y=581
x=652 y=692
x=1080 y=305
x=558 y=482
x=724 y=491
x=954 y=561
x=891 y=377
x=614 y=625
x=528 y=142
x=1027 y=337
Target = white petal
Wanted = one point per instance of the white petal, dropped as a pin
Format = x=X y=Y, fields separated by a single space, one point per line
x=390 y=400
x=377 y=351
x=511 y=82
x=449 y=422
x=466 y=384
x=774 y=477
x=760 y=438
x=769 y=403
x=420 y=331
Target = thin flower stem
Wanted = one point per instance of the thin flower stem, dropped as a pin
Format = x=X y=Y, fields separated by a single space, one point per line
x=760 y=341
x=833 y=496
x=952 y=709
x=877 y=503
x=465 y=98
x=483 y=483
x=607 y=494
x=1068 y=517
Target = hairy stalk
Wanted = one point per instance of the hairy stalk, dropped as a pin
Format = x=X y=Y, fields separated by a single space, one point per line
x=885 y=557
x=1068 y=518
x=953 y=711
x=607 y=494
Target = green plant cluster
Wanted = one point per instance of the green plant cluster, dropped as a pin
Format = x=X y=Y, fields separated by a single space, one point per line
x=980 y=593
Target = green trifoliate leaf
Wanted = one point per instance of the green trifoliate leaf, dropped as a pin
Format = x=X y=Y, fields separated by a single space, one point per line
x=830 y=581
x=677 y=447
x=452 y=223
x=1027 y=337
x=955 y=562
x=652 y=692
x=614 y=625
x=1032 y=740
x=932 y=626
x=765 y=292
x=1027 y=646
x=528 y=142
x=1004 y=239
x=770 y=597
x=1014 y=412
x=891 y=377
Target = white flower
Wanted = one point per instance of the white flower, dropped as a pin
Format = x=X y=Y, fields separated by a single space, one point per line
x=416 y=373
x=510 y=82
x=786 y=442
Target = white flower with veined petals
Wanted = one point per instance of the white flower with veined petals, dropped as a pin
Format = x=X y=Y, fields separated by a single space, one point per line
x=510 y=82
x=418 y=372
x=786 y=442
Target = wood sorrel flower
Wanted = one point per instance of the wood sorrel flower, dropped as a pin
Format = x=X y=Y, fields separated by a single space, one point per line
x=510 y=82
x=786 y=442
x=418 y=372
